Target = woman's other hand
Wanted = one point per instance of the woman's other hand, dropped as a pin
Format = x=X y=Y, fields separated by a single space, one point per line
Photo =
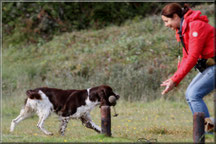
x=169 y=86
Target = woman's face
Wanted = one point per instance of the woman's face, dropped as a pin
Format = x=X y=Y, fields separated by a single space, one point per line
x=173 y=23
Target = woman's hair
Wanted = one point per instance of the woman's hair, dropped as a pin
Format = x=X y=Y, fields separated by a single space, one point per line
x=174 y=8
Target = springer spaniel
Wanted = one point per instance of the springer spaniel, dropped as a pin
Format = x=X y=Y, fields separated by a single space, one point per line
x=65 y=103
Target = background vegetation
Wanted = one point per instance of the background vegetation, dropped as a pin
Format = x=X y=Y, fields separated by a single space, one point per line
x=133 y=53
x=43 y=20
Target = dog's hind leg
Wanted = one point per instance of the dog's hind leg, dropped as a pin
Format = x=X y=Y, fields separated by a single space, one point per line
x=24 y=113
x=63 y=126
x=86 y=120
x=42 y=118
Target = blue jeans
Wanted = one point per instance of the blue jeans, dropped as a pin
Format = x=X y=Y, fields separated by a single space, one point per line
x=200 y=86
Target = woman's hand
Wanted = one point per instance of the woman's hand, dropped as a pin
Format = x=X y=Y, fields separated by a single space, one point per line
x=169 y=86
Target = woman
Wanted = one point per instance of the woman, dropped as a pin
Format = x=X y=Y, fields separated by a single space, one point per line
x=198 y=43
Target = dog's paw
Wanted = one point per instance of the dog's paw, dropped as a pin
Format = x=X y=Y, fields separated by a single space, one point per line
x=61 y=133
x=49 y=133
x=12 y=126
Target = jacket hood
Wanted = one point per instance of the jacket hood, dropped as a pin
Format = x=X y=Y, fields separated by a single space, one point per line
x=195 y=15
x=191 y=15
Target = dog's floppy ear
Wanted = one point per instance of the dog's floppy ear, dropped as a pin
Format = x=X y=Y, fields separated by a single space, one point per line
x=103 y=96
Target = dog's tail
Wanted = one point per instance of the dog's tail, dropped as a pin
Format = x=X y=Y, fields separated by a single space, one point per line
x=33 y=94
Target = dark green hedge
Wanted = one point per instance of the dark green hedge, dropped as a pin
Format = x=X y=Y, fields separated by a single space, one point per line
x=49 y=18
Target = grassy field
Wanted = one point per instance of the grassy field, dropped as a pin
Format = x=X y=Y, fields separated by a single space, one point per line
x=161 y=120
x=133 y=59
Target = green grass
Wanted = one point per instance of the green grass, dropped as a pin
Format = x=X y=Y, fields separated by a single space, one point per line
x=163 y=120
x=133 y=59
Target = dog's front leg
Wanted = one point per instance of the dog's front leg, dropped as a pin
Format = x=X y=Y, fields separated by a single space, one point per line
x=63 y=126
x=86 y=120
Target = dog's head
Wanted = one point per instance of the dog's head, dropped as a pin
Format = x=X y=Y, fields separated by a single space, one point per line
x=105 y=95
x=209 y=124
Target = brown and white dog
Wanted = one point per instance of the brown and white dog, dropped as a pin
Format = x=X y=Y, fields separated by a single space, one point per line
x=66 y=103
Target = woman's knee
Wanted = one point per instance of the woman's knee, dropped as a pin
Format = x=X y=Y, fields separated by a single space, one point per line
x=187 y=94
x=192 y=95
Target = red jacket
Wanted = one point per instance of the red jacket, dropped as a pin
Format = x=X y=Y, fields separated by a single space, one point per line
x=198 y=38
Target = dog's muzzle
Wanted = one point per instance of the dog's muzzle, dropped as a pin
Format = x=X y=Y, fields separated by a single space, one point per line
x=112 y=100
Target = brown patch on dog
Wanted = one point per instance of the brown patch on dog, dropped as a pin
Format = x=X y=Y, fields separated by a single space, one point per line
x=33 y=94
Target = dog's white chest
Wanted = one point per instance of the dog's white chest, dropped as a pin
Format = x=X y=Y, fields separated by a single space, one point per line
x=83 y=110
